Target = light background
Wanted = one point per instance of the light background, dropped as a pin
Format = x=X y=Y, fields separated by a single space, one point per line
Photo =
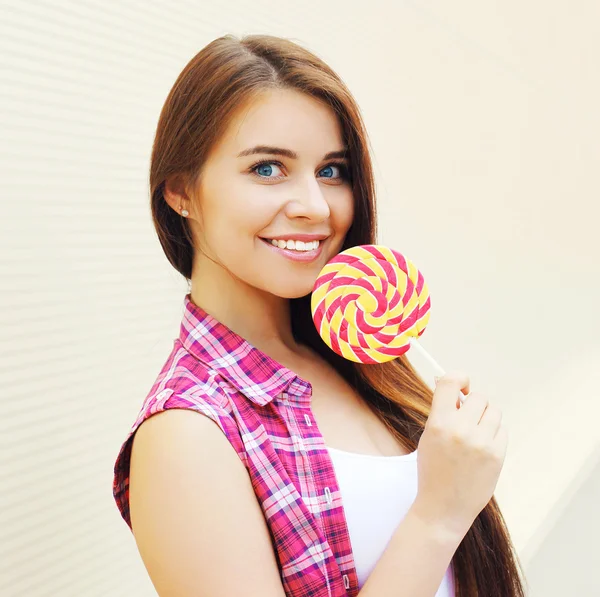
x=484 y=122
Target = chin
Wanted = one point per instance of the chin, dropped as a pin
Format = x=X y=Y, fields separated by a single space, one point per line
x=294 y=294
x=292 y=290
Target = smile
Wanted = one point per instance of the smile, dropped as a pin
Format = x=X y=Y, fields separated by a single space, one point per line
x=293 y=255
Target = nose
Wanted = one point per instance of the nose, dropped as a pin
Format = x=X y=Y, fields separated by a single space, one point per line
x=309 y=202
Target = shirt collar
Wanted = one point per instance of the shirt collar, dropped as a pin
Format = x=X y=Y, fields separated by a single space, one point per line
x=256 y=375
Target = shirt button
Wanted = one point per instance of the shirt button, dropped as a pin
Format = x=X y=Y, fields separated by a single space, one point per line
x=308 y=421
x=328 y=495
x=346 y=581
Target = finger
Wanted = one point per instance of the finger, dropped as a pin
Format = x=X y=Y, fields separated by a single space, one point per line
x=473 y=409
x=447 y=390
x=501 y=442
x=491 y=420
x=489 y=425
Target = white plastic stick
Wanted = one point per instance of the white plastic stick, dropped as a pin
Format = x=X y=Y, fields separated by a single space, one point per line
x=439 y=371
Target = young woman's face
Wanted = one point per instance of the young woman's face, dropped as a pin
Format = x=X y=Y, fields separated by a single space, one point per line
x=243 y=202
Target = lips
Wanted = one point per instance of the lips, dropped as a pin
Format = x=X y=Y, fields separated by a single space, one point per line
x=269 y=241
x=303 y=256
x=297 y=236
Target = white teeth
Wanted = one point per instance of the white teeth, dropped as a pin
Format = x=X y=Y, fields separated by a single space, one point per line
x=297 y=245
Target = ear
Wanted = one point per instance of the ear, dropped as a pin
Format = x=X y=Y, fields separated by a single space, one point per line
x=175 y=194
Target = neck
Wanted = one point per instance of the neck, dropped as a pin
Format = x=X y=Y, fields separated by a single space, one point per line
x=261 y=318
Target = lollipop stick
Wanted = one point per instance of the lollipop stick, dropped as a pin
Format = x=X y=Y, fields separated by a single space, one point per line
x=439 y=371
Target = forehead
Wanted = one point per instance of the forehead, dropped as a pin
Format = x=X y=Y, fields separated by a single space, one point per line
x=284 y=118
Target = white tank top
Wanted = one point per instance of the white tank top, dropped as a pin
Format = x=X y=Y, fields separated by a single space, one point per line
x=377 y=492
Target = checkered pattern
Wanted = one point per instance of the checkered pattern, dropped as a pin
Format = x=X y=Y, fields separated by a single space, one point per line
x=263 y=408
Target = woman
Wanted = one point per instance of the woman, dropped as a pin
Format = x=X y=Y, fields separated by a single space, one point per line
x=301 y=477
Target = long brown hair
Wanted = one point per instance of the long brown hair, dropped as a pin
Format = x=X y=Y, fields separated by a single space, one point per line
x=223 y=76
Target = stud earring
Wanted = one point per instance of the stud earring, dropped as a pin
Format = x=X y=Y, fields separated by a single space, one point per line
x=185 y=213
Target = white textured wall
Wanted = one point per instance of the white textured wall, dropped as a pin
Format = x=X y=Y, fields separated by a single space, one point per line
x=484 y=122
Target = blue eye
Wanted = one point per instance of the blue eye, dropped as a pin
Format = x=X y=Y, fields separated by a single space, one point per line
x=265 y=168
x=330 y=166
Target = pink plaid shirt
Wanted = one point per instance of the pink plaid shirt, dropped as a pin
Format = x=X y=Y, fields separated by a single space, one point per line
x=264 y=409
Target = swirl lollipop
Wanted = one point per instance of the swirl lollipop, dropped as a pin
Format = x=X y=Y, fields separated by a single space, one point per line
x=370 y=304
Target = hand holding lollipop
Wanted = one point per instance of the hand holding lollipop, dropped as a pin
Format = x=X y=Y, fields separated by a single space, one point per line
x=370 y=304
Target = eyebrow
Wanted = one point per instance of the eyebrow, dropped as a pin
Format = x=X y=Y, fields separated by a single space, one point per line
x=342 y=153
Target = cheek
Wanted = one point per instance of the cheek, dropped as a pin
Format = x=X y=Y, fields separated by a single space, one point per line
x=259 y=213
x=345 y=214
x=238 y=212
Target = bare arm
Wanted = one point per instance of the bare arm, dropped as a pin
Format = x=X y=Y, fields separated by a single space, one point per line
x=201 y=533
x=196 y=520
x=415 y=560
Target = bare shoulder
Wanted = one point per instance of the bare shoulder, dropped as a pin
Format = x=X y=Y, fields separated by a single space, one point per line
x=196 y=521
